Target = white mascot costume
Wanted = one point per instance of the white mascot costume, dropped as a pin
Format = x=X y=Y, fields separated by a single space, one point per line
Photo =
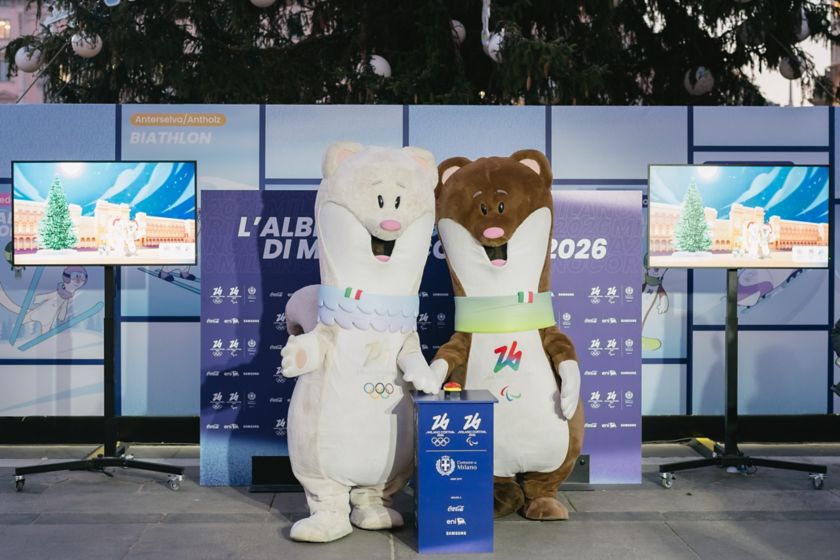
x=350 y=421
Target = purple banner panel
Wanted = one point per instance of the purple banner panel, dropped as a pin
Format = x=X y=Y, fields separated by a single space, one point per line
x=597 y=282
x=257 y=248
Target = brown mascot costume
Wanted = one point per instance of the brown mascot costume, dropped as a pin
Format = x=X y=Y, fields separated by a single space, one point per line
x=494 y=217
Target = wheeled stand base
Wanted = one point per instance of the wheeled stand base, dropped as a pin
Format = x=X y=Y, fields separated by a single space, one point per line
x=112 y=453
x=99 y=464
x=728 y=454
x=743 y=464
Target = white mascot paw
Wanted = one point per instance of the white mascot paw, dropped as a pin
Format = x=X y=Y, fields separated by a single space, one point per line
x=569 y=388
x=419 y=374
x=321 y=526
x=375 y=517
x=299 y=355
x=440 y=368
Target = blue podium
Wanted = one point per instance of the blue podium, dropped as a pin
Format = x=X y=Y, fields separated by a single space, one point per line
x=454 y=472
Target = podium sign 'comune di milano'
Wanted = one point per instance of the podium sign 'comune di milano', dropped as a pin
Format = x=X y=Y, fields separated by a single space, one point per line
x=454 y=486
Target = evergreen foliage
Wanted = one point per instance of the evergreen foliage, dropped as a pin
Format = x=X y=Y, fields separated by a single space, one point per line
x=692 y=232
x=56 y=230
x=313 y=51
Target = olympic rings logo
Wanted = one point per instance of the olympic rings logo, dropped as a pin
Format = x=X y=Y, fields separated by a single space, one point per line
x=440 y=441
x=379 y=390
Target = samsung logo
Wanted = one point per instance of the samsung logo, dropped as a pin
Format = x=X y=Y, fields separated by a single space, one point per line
x=250 y=320
x=250 y=373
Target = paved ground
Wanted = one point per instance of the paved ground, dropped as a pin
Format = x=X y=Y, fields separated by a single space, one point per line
x=707 y=514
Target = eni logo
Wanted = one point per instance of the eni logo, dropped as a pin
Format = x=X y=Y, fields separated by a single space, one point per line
x=507 y=358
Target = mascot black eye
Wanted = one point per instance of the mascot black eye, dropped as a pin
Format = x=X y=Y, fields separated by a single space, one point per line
x=501 y=208
x=483 y=208
x=397 y=203
x=381 y=201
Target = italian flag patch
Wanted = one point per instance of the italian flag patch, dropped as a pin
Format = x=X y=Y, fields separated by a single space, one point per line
x=353 y=294
x=525 y=297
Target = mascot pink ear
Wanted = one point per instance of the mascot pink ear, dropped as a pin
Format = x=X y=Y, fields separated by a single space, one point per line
x=336 y=154
x=531 y=164
x=447 y=169
x=426 y=161
x=421 y=156
x=444 y=177
x=536 y=162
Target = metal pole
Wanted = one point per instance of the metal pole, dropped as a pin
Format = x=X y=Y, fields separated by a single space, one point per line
x=731 y=372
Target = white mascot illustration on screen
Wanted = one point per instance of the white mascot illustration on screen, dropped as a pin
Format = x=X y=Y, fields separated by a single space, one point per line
x=122 y=238
x=757 y=240
x=350 y=420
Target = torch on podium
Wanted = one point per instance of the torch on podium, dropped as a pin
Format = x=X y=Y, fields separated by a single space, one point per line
x=454 y=471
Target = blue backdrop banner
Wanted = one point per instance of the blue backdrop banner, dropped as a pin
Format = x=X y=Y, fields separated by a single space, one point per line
x=258 y=248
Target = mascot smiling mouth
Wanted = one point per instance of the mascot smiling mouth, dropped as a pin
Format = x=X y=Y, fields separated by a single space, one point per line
x=497 y=255
x=382 y=249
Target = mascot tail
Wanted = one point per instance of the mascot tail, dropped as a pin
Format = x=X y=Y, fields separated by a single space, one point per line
x=302 y=310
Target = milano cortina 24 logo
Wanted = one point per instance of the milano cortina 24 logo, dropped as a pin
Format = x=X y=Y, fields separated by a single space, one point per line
x=507 y=358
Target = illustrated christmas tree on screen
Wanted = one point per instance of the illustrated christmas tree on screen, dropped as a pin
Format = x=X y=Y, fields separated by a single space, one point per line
x=55 y=231
x=692 y=232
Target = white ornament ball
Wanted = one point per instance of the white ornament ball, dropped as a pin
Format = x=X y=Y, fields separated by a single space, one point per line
x=379 y=65
x=86 y=46
x=458 y=31
x=790 y=69
x=494 y=45
x=703 y=83
x=263 y=3
x=28 y=59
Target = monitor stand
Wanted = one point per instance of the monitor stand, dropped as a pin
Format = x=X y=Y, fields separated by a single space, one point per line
x=729 y=455
x=113 y=454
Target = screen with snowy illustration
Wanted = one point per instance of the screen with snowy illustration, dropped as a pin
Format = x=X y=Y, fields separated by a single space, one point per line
x=103 y=212
x=738 y=216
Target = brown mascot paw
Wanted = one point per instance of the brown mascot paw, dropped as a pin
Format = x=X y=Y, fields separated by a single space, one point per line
x=507 y=498
x=545 y=509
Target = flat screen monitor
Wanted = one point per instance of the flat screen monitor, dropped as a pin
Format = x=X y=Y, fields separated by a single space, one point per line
x=738 y=216
x=103 y=212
